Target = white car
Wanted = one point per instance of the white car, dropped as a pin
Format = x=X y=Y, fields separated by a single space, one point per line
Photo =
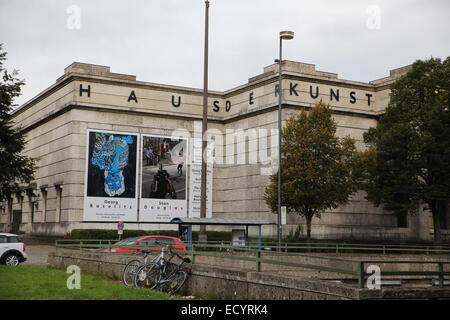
x=12 y=249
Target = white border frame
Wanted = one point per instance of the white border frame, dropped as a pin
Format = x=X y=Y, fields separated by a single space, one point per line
x=145 y=217
x=132 y=215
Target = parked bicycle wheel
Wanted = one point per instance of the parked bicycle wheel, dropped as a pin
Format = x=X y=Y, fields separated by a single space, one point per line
x=174 y=282
x=129 y=272
x=169 y=268
x=147 y=276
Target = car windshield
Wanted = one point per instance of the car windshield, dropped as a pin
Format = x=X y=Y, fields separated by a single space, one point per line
x=127 y=241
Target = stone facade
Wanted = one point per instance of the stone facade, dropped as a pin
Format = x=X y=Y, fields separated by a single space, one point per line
x=91 y=97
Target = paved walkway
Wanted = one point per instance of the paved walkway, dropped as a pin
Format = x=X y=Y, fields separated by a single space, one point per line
x=37 y=254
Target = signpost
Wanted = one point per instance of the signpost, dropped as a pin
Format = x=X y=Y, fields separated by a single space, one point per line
x=120 y=227
x=283 y=215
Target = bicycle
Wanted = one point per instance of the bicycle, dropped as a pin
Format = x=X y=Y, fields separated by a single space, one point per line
x=132 y=266
x=171 y=282
x=166 y=275
x=130 y=269
x=146 y=273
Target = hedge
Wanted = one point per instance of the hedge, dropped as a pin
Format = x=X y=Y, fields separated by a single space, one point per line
x=103 y=234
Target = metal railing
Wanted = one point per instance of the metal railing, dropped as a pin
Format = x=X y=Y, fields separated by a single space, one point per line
x=439 y=273
x=330 y=247
x=321 y=247
x=353 y=267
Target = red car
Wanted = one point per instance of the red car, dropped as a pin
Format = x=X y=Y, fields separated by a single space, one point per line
x=150 y=241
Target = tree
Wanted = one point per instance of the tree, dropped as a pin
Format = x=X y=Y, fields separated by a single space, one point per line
x=14 y=167
x=410 y=147
x=318 y=169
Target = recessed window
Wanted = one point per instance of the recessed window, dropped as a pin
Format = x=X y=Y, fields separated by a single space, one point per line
x=44 y=204
x=59 y=189
x=445 y=217
x=402 y=220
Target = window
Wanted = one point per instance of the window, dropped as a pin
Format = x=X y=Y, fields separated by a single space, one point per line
x=44 y=203
x=58 y=202
x=2 y=239
x=127 y=241
x=153 y=241
x=445 y=217
x=146 y=243
x=156 y=242
x=31 y=201
x=10 y=210
x=402 y=220
x=20 y=200
x=13 y=240
x=32 y=212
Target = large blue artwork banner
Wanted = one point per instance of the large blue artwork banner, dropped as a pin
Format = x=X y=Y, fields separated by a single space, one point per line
x=111 y=176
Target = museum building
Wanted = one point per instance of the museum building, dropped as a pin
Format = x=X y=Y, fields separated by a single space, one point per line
x=99 y=139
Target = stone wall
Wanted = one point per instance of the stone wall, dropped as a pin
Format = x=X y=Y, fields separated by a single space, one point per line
x=233 y=282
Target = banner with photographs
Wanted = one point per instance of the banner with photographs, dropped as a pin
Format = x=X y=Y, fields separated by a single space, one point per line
x=163 y=179
x=195 y=178
x=111 y=176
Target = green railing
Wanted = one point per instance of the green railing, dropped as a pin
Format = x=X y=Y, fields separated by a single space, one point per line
x=324 y=247
x=353 y=267
x=320 y=247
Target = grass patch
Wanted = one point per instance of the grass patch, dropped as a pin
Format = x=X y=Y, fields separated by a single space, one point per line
x=41 y=283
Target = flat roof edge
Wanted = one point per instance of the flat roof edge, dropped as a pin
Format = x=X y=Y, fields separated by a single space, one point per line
x=218 y=221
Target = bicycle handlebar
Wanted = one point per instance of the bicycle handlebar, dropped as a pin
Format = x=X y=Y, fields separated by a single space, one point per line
x=169 y=246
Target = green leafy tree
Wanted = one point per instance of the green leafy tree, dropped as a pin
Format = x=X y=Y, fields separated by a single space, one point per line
x=319 y=170
x=14 y=167
x=410 y=147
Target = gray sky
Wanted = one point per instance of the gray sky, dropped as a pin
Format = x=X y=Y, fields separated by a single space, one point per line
x=162 y=41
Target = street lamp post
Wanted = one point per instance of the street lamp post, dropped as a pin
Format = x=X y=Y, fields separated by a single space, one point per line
x=202 y=234
x=284 y=35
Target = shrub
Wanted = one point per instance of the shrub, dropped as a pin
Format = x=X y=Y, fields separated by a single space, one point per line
x=104 y=234
x=294 y=236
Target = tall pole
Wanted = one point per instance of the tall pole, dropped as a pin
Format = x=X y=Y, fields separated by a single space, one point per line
x=202 y=235
x=284 y=35
x=280 y=93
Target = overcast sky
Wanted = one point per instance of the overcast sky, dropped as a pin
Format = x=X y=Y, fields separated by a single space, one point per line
x=162 y=40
